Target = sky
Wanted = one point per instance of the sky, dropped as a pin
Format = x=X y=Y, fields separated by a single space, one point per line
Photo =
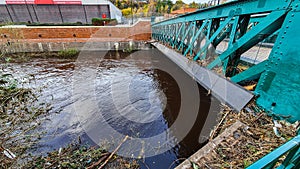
x=189 y=1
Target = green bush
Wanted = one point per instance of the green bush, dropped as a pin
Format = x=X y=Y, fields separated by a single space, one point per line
x=68 y=53
x=103 y=21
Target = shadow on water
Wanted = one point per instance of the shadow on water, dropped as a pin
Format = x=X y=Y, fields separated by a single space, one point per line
x=140 y=94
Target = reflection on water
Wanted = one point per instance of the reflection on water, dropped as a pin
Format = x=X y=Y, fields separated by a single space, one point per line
x=140 y=94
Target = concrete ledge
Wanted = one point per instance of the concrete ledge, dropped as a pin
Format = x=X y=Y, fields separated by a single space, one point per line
x=209 y=147
x=27 y=47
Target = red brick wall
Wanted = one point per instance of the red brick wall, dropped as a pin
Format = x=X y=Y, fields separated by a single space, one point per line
x=139 y=31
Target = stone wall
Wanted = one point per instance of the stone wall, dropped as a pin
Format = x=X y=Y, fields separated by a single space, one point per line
x=138 y=31
x=43 y=39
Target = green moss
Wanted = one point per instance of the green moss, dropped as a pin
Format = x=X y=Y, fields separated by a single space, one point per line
x=247 y=163
x=103 y=21
x=68 y=53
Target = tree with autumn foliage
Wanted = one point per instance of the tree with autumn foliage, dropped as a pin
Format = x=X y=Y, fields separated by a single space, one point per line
x=150 y=7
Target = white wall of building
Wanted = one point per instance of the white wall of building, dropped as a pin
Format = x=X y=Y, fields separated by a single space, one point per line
x=2 y=2
x=115 y=13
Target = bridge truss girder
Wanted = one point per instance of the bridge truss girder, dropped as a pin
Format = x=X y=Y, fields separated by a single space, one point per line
x=244 y=24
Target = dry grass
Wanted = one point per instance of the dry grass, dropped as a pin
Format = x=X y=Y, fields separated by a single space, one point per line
x=248 y=144
x=76 y=156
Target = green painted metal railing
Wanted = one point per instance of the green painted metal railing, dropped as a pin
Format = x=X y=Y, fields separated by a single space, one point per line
x=292 y=160
x=244 y=24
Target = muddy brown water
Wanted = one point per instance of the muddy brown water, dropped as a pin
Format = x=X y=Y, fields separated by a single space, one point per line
x=141 y=94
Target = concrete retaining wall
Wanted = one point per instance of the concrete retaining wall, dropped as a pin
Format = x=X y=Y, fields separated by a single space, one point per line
x=81 y=46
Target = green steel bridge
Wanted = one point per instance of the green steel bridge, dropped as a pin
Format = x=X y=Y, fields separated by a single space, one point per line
x=243 y=25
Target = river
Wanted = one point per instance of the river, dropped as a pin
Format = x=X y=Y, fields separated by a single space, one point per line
x=100 y=97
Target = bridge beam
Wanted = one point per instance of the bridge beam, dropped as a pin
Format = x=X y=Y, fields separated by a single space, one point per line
x=227 y=92
x=244 y=24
